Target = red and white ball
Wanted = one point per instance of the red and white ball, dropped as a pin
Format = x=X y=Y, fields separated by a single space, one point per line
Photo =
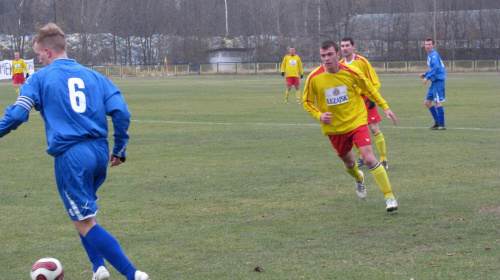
x=47 y=269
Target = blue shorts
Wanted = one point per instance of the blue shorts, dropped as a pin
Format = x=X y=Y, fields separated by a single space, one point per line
x=79 y=172
x=436 y=92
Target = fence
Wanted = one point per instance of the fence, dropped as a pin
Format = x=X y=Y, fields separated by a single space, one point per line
x=491 y=65
x=139 y=70
x=451 y=66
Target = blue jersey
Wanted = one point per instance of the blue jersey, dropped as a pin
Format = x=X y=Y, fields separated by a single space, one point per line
x=436 y=70
x=74 y=102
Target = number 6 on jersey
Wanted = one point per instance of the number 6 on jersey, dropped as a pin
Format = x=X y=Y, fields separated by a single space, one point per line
x=77 y=98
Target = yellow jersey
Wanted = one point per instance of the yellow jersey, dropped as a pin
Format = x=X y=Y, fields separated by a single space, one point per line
x=292 y=65
x=19 y=67
x=337 y=93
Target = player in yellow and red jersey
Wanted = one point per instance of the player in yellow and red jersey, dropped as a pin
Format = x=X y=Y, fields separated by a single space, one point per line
x=350 y=58
x=18 y=69
x=331 y=96
x=292 y=66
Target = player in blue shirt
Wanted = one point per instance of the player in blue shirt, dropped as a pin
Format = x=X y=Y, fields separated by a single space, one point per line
x=74 y=103
x=436 y=93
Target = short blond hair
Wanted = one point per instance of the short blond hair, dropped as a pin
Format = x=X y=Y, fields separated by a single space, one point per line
x=51 y=36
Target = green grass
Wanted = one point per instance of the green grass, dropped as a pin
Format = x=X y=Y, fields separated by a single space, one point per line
x=222 y=176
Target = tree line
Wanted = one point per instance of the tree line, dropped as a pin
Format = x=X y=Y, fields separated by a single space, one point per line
x=131 y=32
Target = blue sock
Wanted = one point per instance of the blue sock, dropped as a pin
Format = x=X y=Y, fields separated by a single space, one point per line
x=440 y=112
x=434 y=114
x=95 y=258
x=109 y=247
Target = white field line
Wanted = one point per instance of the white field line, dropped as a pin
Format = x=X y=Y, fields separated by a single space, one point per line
x=303 y=124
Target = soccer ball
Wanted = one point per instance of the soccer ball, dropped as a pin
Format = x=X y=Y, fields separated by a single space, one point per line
x=47 y=269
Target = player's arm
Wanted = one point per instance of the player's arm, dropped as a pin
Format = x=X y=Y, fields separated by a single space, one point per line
x=309 y=103
x=309 y=100
x=25 y=67
x=26 y=70
x=375 y=81
x=370 y=91
x=373 y=76
x=373 y=94
x=283 y=65
x=299 y=64
x=120 y=117
x=15 y=115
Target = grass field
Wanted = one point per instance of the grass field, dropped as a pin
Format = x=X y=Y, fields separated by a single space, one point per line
x=222 y=177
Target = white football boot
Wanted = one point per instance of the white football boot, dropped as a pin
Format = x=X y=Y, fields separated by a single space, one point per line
x=139 y=275
x=360 y=187
x=101 y=274
x=392 y=204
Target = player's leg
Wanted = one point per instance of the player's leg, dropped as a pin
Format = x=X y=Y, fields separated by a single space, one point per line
x=352 y=169
x=379 y=142
x=428 y=103
x=351 y=166
x=378 y=171
x=17 y=84
x=107 y=245
x=18 y=81
x=79 y=173
x=95 y=258
x=381 y=178
x=288 y=88
x=343 y=145
x=360 y=160
x=439 y=98
x=440 y=112
x=297 y=90
x=373 y=120
x=73 y=196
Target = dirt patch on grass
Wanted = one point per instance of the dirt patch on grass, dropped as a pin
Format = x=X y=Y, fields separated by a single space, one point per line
x=492 y=209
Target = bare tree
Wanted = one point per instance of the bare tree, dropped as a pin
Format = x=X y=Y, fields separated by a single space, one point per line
x=144 y=32
x=17 y=21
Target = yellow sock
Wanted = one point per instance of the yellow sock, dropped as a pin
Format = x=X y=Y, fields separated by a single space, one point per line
x=17 y=91
x=355 y=173
x=287 y=94
x=382 y=180
x=380 y=142
x=297 y=92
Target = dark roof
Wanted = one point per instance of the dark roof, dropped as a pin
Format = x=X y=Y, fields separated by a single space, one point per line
x=231 y=49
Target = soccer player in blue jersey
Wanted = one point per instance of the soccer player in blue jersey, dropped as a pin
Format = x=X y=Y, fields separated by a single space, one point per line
x=74 y=102
x=436 y=93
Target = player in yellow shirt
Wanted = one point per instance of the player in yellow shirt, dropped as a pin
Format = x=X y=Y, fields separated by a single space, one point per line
x=18 y=69
x=330 y=96
x=292 y=66
x=350 y=58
